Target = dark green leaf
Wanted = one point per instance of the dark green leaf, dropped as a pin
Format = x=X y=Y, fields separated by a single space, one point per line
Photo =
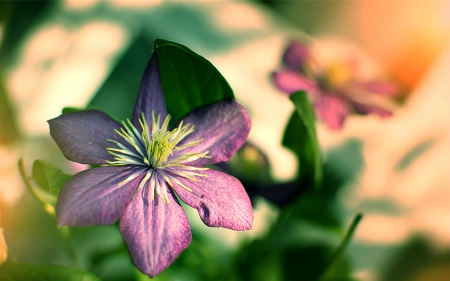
x=343 y=165
x=189 y=81
x=315 y=208
x=118 y=93
x=21 y=17
x=48 y=176
x=300 y=136
x=66 y=110
x=10 y=271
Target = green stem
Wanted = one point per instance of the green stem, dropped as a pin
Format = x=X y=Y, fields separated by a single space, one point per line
x=47 y=207
x=64 y=231
x=340 y=250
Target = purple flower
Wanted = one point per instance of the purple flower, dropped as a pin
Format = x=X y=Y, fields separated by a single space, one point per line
x=143 y=164
x=336 y=84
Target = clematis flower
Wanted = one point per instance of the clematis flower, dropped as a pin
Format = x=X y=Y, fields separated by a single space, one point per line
x=336 y=84
x=144 y=163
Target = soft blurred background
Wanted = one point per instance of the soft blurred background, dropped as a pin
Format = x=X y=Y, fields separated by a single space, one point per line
x=395 y=171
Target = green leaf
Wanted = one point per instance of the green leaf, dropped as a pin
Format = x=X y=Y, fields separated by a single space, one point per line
x=66 y=110
x=300 y=136
x=315 y=208
x=118 y=93
x=48 y=176
x=189 y=81
x=10 y=271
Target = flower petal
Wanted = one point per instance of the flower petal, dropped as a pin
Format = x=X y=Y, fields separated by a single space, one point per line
x=150 y=96
x=361 y=108
x=332 y=110
x=224 y=126
x=296 y=54
x=289 y=82
x=97 y=196
x=154 y=232
x=220 y=200
x=82 y=136
x=382 y=88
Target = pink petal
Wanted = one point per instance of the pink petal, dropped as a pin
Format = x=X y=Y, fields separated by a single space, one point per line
x=296 y=54
x=289 y=82
x=154 y=232
x=220 y=200
x=332 y=110
x=368 y=108
x=150 y=96
x=382 y=88
x=82 y=136
x=224 y=126
x=96 y=196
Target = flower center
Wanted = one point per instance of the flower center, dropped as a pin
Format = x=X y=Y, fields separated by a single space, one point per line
x=157 y=150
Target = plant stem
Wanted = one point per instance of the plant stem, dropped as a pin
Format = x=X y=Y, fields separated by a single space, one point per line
x=63 y=231
x=340 y=250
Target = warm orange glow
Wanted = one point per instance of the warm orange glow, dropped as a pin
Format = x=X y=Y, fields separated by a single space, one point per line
x=407 y=36
x=3 y=249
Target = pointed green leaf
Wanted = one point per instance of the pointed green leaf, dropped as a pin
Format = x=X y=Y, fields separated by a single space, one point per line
x=11 y=271
x=300 y=136
x=66 y=110
x=48 y=176
x=189 y=81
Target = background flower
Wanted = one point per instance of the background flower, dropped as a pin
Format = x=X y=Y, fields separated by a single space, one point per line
x=337 y=82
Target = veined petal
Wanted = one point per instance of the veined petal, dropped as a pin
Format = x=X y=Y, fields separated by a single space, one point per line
x=296 y=54
x=332 y=110
x=224 y=126
x=97 y=196
x=82 y=136
x=220 y=200
x=154 y=232
x=290 y=81
x=150 y=96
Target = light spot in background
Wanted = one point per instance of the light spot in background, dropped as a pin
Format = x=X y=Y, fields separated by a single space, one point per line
x=63 y=67
x=381 y=229
x=364 y=275
x=3 y=247
x=134 y=3
x=247 y=69
x=239 y=17
x=80 y=4
x=11 y=185
x=413 y=33
x=420 y=190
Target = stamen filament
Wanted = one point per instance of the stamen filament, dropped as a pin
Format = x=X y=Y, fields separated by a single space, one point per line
x=156 y=148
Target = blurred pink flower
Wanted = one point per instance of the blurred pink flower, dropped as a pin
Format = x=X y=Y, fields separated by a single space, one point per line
x=334 y=85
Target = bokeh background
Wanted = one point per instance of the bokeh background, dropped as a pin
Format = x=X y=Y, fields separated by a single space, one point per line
x=395 y=171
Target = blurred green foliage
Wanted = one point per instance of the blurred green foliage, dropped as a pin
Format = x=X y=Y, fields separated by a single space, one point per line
x=11 y=271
